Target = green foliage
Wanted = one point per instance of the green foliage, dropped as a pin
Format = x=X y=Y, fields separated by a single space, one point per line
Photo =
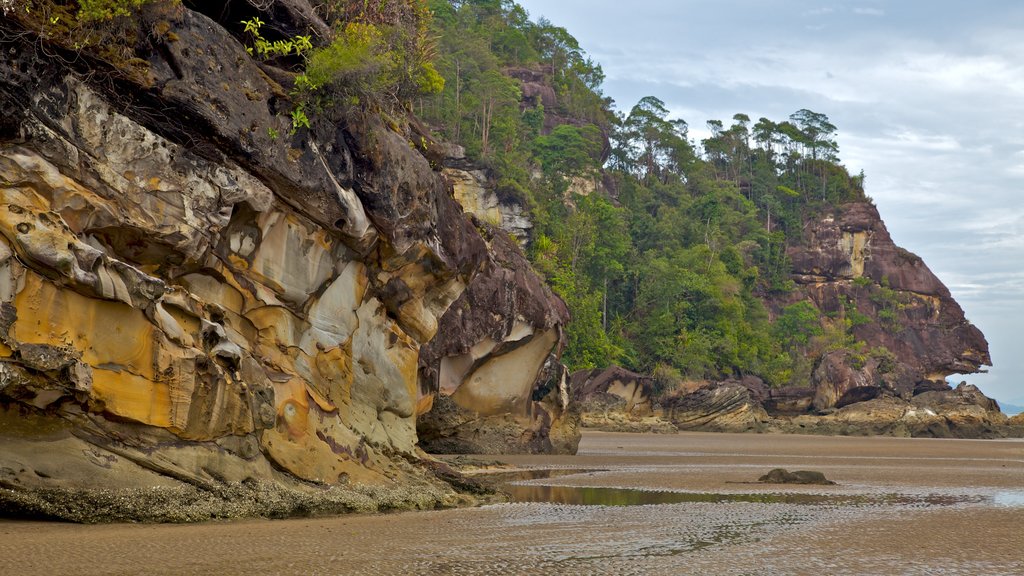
x=266 y=49
x=886 y=359
x=670 y=276
x=355 y=59
x=365 y=62
x=852 y=315
x=100 y=10
x=797 y=324
x=890 y=304
x=667 y=379
x=568 y=150
x=299 y=119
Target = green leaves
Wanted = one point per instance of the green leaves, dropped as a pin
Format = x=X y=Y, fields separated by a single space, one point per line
x=252 y=26
x=299 y=119
x=266 y=49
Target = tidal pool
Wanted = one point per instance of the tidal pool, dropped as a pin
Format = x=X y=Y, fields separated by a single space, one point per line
x=603 y=496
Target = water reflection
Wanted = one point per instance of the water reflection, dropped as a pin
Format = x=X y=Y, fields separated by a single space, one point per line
x=600 y=496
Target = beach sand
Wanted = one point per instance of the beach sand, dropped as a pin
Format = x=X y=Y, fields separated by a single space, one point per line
x=900 y=506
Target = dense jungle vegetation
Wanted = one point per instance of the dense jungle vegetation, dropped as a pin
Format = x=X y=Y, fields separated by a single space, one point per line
x=664 y=248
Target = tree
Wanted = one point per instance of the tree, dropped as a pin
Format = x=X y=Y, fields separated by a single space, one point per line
x=654 y=146
x=499 y=98
x=818 y=133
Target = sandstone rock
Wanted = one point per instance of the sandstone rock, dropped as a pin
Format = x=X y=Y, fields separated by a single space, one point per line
x=476 y=196
x=759 y=390
x=961 y=413
x=187 y=302
x=494 y=356
x=789 y=400
x=617 y=400
x=612 y=388
x=725 y=408
x=848 y=255
x=840 y=380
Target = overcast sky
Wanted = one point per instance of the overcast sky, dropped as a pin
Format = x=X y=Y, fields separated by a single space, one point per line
x=928 y=96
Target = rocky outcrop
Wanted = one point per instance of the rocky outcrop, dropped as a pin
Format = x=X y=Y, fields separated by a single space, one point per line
x=783 y=476
x=963 y=412
x=840 y=380
x=492 y=372
x=847 y=257
x=617 y=400
x=915 y=333
x=538 y=90
x=734 y=406
x=479 y=197
x=912 y=336
x=190 y=301
x=729 y=407
x=613 y=388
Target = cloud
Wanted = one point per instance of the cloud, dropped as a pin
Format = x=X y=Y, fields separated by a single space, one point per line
x=869 y=12
x=820 y=11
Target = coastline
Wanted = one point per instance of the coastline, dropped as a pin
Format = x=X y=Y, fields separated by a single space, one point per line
x=953 y=528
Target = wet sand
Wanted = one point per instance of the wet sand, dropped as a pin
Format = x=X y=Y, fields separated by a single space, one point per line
x=962 y=513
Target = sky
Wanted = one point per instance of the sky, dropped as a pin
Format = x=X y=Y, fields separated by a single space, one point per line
x=928 y=96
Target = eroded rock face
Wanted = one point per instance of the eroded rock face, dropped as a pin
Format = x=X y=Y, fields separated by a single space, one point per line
x=728 y=407
x=495 y=359
x=847 y=258
x=613 y=388
x=184 y=297
x=478 y=197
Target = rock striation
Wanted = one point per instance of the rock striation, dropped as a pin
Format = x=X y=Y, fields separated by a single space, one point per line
x=728 y=407
x=190 y=303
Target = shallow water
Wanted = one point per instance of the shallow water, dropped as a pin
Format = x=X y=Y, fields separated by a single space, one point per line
x=1009 y=499
x=603 y=496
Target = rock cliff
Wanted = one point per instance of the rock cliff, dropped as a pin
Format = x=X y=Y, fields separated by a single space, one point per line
x=913 y=334
x=193 y=307
x=849 y=267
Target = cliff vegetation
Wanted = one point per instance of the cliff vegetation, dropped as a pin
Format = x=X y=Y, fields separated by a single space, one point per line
x=671 y=253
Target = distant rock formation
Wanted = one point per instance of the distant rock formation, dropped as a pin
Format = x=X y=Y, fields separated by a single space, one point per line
x=847 y=256
x=477 y=196
x=916 y=335
x=613 y=388
x=962 y=412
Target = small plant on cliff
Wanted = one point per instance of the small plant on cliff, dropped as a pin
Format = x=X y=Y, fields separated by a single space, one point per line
x=886 y=359
x=890 y=304
x=299 y=119
x=365 y=63
x=267 y=49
